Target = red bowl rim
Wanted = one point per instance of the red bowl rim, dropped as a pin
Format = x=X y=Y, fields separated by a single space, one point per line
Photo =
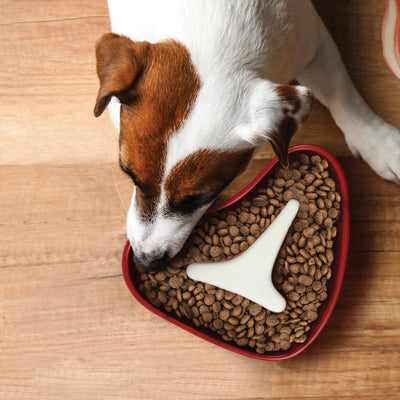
x=340 y=267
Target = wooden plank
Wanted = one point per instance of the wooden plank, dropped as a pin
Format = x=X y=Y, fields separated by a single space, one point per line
x=47 y=75
x=70 y=328
x=28 y=11
x=48 y=87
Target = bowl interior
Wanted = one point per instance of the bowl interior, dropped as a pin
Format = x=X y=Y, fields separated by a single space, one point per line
x=334 y=284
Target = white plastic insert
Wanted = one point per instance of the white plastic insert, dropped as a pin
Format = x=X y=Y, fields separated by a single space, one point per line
x=250 y=273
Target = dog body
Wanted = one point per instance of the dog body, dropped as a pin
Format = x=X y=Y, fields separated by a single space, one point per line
x=194 y=86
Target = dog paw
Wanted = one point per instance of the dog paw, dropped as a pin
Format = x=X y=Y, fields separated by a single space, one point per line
x=381 y=150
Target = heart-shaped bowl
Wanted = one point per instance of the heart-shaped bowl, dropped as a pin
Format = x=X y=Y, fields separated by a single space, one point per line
x=132 y=276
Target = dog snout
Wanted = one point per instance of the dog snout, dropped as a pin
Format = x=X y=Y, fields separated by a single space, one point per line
x=153 y=261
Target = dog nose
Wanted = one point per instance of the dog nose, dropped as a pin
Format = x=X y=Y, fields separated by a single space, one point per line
x=152 y=261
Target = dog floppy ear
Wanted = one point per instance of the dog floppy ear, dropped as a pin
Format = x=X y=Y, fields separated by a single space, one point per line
x=119 y=62
x=276 y=111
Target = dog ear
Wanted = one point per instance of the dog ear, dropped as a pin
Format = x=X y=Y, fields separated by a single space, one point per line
x=276 y=111
x=119 y=62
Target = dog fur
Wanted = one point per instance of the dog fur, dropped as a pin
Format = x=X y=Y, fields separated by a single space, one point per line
x=194 y=86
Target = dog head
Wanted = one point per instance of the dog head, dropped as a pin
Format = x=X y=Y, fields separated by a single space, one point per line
x=185 y=133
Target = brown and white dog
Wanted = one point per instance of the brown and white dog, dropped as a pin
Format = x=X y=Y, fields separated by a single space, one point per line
x=193 y=86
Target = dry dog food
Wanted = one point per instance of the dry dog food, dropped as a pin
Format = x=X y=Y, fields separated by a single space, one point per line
x=301 y=272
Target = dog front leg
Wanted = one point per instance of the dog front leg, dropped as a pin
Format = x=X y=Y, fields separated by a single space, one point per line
x=366 y=134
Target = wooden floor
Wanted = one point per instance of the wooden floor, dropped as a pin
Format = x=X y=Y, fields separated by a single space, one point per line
x=69 y=328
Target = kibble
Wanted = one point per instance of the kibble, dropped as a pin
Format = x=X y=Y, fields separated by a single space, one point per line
x=302 y=269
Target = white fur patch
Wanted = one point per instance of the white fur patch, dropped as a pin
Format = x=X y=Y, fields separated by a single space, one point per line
x=164 y=232
x=114 y=108
x=232 y=45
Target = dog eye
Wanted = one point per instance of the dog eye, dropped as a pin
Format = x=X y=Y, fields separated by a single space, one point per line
x=191 y=203
x=130 y=173
x=142 y=194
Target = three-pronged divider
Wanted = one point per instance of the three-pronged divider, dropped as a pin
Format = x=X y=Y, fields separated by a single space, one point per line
x=250 y=273
x=132 y=277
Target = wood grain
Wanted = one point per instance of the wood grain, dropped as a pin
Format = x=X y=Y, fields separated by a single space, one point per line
x=69 y=328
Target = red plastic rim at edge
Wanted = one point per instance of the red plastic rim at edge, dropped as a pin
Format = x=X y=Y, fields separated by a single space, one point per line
x=341 y=256
x=397 y=34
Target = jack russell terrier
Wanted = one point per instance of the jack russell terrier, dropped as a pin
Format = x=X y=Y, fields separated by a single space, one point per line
x=194 y=86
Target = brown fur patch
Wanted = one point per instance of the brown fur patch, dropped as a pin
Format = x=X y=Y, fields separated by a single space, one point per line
x=119 y=61
x=290 y=96
x=280 y=140
x=159 y=102
x=205 y=172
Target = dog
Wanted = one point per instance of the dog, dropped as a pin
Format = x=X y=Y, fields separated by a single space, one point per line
x=194 y=86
